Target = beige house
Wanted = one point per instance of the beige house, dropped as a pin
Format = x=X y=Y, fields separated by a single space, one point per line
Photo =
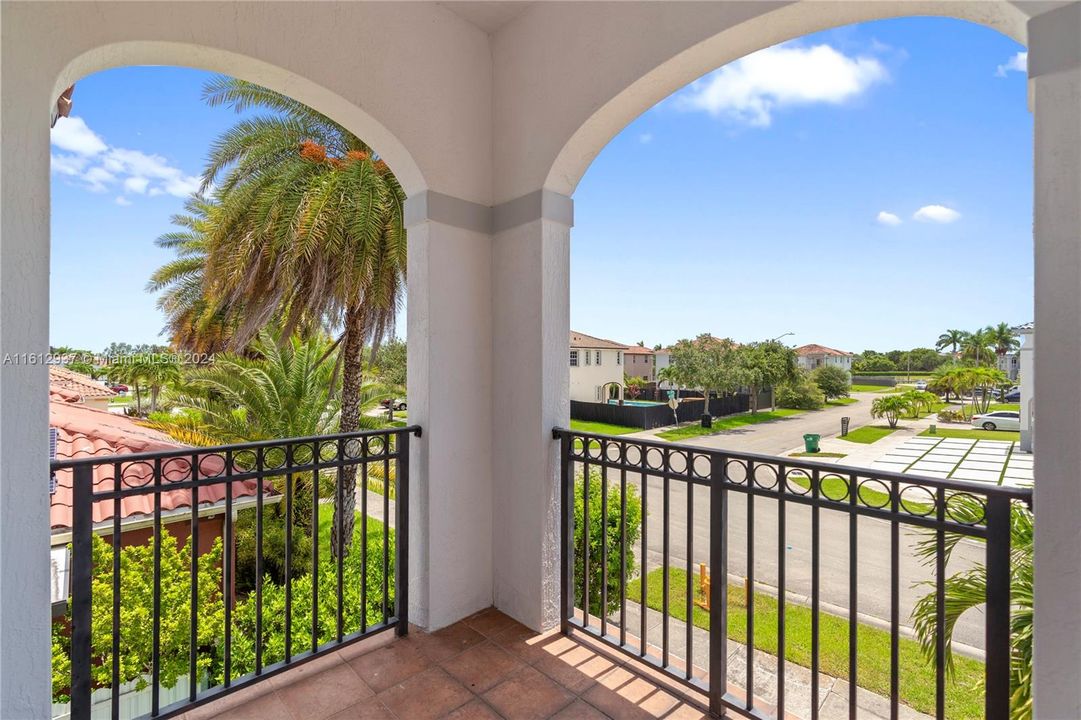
x=640 y=362
x=71 y=386
x=594 y=362
x=810 y=357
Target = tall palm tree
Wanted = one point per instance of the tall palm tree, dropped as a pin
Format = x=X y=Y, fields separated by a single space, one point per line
x=191 y=321
x=1003 y=338
x=977 y=345
x=310 y=231
x=950 y=339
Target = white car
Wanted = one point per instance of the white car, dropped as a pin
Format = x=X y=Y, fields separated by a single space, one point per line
x=921 y=384
x=999 y=420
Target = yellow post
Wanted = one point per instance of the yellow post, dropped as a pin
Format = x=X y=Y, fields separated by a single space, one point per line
x=703 y=584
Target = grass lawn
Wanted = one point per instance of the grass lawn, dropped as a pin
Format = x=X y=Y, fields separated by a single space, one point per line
x=974 y=434
x=835 y=402
x=870 y=388
x=917 y=687
x=326 y=520
x=995 y=407
x=602 y=428
x=867 y=434
x=818 y=454
x=727 y=423
x=837 y=489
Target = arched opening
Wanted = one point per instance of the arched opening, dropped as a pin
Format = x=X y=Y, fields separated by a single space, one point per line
x=280 y=281
x=736 y=200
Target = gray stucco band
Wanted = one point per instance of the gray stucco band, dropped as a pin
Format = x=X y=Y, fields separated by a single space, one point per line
x=449 y=210
x=1054 y=40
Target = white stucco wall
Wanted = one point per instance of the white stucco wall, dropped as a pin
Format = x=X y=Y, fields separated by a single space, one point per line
x=1027 y=374
x=585 y=379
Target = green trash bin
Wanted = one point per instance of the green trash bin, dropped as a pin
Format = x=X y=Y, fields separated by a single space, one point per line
x=810 y=442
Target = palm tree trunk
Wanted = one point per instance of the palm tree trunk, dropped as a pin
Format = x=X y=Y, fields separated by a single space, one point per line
x=346 y=493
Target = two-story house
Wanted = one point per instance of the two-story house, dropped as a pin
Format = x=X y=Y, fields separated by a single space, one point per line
x=594 y=362
x=812 y=356
x=640 y=362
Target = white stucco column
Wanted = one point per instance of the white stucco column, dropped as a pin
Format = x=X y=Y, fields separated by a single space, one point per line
x=24 y=413
x=450 y=397
x=1055 y=72
x=531 y=320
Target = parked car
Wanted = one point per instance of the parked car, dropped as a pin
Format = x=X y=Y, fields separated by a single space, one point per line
x=921 y=384
x=119 y=387
x=398 y=403
x=1013 y=395
x=998 y=420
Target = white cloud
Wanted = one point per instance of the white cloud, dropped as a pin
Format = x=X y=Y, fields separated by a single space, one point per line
x=122 y=201
x=752 y=88
x=97 y=165
x=72 y=134
x=136 y=184
x=887 y=218
x=645 y=138
x=1018 y=63
x=936 y=213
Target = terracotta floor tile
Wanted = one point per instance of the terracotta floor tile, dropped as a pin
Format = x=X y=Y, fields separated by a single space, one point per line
x=576 y=669
x=623 y=694
x=448 y=642
x=317 y=697
x=579 y=710
x=490 y=622
x=390 y=665
x=475 y=710
x=528 y=695
x=370 y=709
x=263 y=707
x=426 y=696
x=483 y=666
x=532 y=646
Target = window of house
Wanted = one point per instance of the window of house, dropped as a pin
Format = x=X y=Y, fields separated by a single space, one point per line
x=598 y=357
x=574 y=358
x=587 y=357
x=619 y=357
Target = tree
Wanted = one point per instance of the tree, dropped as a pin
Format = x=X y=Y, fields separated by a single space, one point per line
x=765 y=365
x=834 y=382
x=137 y=591
x=634 y=385
x=706 y=363
x=891 y=407
x=871 y=361
x=600 y=525
x=390 y=363
x=967 y=590
x=977 y=346
x=951 y=339
x=919 y=401
x=1003 y=339
x=310 y=231
x=801 y=393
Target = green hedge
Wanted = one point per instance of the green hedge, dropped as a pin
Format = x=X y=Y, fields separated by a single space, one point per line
x=899 y=374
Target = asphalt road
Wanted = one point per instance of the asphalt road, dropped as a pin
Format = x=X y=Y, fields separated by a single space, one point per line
x=873 y=535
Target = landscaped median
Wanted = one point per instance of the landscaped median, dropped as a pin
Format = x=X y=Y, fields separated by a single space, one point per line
x=727 y=423
x=964 y=699
x=867 y=434
x=973 y=434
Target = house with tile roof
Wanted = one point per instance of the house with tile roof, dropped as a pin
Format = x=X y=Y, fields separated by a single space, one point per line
x=71 y=386
x=809 y=357
x=594 y=362
x=640 y=361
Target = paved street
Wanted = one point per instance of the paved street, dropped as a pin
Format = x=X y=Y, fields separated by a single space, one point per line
x=873 y=551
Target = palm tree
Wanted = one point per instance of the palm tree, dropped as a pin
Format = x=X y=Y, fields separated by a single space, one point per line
x=891 y=407
x=309 y=230
x=967 y=590
x=977 y=345
x=1003 y=338
x=950 y=339
x=192 y=322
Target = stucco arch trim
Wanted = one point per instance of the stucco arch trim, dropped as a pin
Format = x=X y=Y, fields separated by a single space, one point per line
x=334 y=106
x=773 y=26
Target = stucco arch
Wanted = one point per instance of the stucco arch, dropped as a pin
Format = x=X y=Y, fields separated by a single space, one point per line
x=334 y=106
x=704 y=53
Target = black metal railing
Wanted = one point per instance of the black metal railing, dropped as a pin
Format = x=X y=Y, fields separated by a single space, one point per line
x=618 y=472
x=251 y=480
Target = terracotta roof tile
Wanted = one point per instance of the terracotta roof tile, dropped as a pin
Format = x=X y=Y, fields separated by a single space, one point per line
x=820 y=350
x=63 y=379
x=581 y=340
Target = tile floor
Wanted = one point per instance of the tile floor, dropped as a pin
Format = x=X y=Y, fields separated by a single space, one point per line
x=486 y=666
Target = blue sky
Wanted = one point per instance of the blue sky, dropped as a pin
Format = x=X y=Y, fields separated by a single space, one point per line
x=866 y=187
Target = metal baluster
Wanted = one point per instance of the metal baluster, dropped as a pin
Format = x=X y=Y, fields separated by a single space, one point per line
x=644 y=575
x=343 y=542
x=315 y=540
x=289 y=553
x=690 y=567
x=259 y=562
x=895 y=599
x=566 y=529
x=155 y=660
x=364 y=532
x=587 y=532
x=386 y=527
x=718 y=586
x=853 y=597
x=401 y=527
x=227 y=569
x=667 y=548
x=997 y=629
x=604 y=540
x=782 y=548
x=814 y=593
x=117 y=512
x=193 y=640
x=623 y=545
x=749 y=590
x=940 y=605
x=82 y=539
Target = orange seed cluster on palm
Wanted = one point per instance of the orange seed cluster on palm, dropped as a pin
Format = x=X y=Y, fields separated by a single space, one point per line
x=313 y=151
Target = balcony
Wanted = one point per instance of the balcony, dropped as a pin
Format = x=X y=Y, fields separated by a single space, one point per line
x=302 y=647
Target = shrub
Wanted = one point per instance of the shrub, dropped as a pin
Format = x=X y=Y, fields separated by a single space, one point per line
x=613 y=531
x=834 y=382
x=801 y=394
x=951 y=416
